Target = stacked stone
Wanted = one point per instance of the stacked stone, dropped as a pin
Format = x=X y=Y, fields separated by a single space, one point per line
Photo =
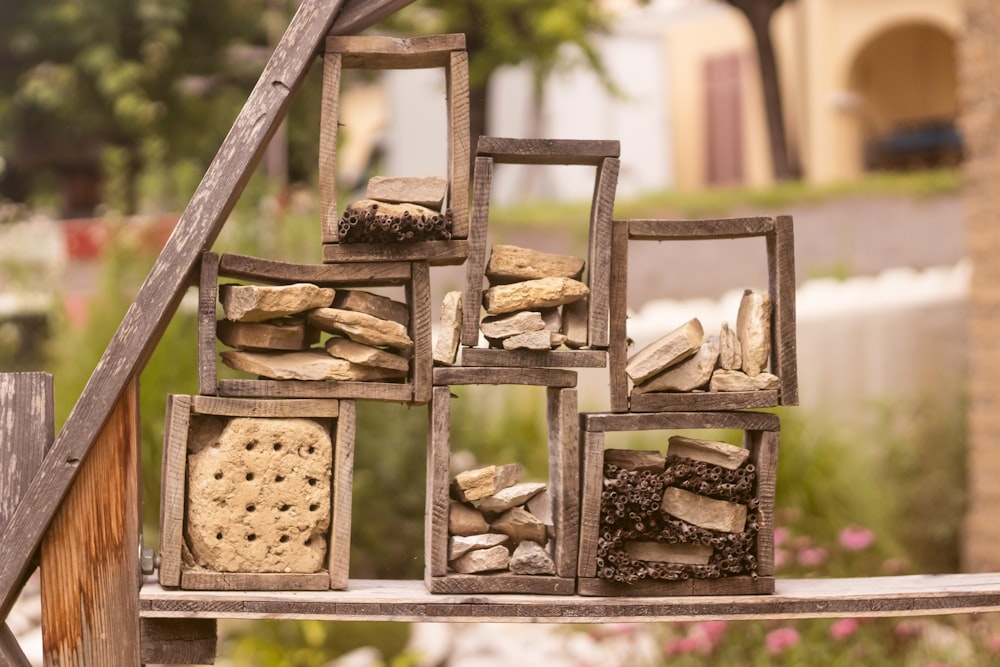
x=691 y=513
x=275 y=330
x=535 y=301
x=686 y=360
x=497 y=523
x=397 y=211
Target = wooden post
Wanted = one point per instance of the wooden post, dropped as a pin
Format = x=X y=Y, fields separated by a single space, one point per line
x=90 y=556
x=26 y=432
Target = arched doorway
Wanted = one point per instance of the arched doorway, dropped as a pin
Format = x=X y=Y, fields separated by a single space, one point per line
x=905 y=79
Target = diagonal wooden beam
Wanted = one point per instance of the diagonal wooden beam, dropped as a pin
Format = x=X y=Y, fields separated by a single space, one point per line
x=160 y=294
x=356 y=15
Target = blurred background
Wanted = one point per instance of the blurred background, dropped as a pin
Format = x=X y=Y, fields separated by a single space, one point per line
x=851 y=115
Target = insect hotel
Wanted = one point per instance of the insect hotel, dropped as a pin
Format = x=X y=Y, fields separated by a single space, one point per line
x=256 y=492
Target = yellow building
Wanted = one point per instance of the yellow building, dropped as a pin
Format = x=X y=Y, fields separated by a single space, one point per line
x=866 y=83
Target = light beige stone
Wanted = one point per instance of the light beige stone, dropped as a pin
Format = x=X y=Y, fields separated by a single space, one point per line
x=512 y=496
x=449 y=332
x=753 y=328
x=636 y=459
x=459 y=545
x=482 y=560
x=703 y=511
x=465 y=520
x=664 y=552
x=723 y=380
x=282 y=334
x=552 y=319
x=376 y=305
x=531 y=558
x=688 y=375
x=710 y=451
x=533 y=340
x=520 y=525
x=540 y=506
x=362 y=327
x=314 y=364
x=257 y=303
x=498 y=327
x=574 y=323
x=675 y=346
x=730 y=356
x=365 y=355
x=533 y=294
x=259 y=495
x=426 y=191
x=556 y=339
x=482 y=482
x=510 y=263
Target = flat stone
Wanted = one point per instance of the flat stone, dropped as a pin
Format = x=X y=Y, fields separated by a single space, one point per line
x=459 y=545
x=703 y=511
x=258 y=495
x=314 y=364
x=376 y=305
x=690 y=374
x=533 y=294
x=365 y=355
x=498 y=327
x=482 y=482
x=552 y=319
x=449 y=332
x=636 y=459
x=482 y=560
x=672 y=348
x=510 y=263
x=512 y=496
x=281 y=334
x=257 y=303
x=556 y=339
x=465 y=520
x=575 y=316
x=533 y=340
x=664 y=552
x=540 y=505
x=723 y=380
x=520 y=525
x=531 y=558
x=753 y=328
x=362 y=327
x=426 y=191
x=710 y=451
x=730 y=355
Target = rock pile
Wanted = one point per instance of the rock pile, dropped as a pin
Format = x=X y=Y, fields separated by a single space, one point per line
x=686 y=360
x=275 y=329
x=535 y=300
x=498 y=523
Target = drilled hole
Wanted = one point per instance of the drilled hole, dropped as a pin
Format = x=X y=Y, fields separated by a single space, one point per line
x=310 y=450
x=218 y=475
x=283 y=539
x=251 y=537
x=251 y=445
x=308 y=542
x=312 y=482
x=284 y=508
x=218 y=536
x=313 y=507
x=277 y=446
x=249 y=476
x=251 y=508
x=279 y=478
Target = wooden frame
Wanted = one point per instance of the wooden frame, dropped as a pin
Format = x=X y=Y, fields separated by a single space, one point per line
x=413 y=276
x=779 y=237
x=563 y=488
x=761 y=436
x=174 y=572
x=383 y=52
x=600 y=154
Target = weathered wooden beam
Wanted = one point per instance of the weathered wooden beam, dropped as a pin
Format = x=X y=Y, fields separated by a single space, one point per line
x=161 y=293
x=11 y=654
x=178 y=641
x=356 y=15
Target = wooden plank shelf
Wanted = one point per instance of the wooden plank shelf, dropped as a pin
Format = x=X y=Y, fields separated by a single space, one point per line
x=409 y=601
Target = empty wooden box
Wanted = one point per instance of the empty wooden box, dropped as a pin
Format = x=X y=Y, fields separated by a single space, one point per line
x=562 y=506
x=409 y=379
x=696 y=521
x=256 y=495
x=781 y=361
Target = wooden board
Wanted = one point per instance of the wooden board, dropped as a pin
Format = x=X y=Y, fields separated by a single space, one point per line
x=650 y=588
x=371 y=391
x=11 y=654
x=540 y=377
x=563 y=423
x=501 y=583
x=763 y=446
x=781 y=272
x=173 y=488
x=409 y=601
x=205 y=580
x=438 y=253
x=748 y=421
x=592 y=462
x=599 y=258
x=474 y=356
x=707 y=401
x=475 y=268
x=356 y=15
x=177 y=641
x=418 y=296
x=208 y=308
x=384 y=52
x=547 y=151
x=328 y=130
x=459 y=142
x=618 y=316
x=691 y=230
x=238 y=407
x=271 y=272
x=339 y=557
x=437 y=504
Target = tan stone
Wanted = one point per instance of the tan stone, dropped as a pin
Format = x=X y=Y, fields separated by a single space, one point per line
x=449 y=332
x=531 y=558
x=533 y=294
x=664 y=552
x=540 y=505
x=459 y=545
x=690 y=374
x=510 y=263
x=753 y=328
x=533 y=340
x=362 y=327
x=723 y=380
x=258 y=496
x=635 y=459
x=313 y=364
x=730 y=356
x=376 y=305
x=556 y=339
x=520 y=525
x=512 y=496
x=281 y=334
x=672 y=348
x=465 y=520
x=257 y=303
x=574 y=323
x=365 y=355
x=710 y=451
x=482 y=560
x=703 y=511
x=498 y=327
x=426 y=191
x=482 y=482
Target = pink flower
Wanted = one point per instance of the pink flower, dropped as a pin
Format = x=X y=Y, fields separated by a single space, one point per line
x=843 y=628
x=779 y=640
x=781 y=558
x=856 y=538
x=714 y=631
x=908 y=629
x=781 y=536
x=995 y=644
x=812 y=557
x=689 y=644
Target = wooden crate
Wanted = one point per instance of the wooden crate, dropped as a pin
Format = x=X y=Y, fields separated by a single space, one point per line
x=779 y=238
x=761 y=436
x=603 y=155
x=183 y=412
x=413 y=276
x=563 y=484
x=383 y=52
